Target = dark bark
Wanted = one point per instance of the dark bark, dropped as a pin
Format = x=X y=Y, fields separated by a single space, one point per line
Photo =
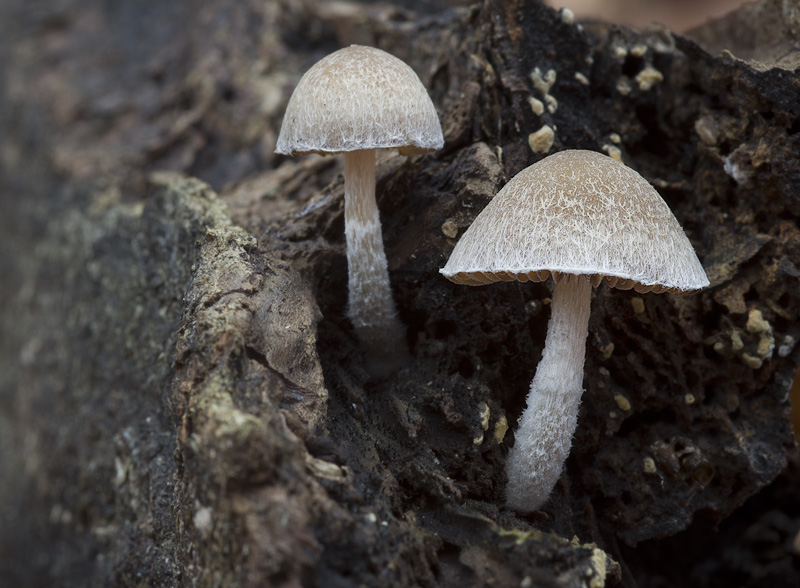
x=183 y=401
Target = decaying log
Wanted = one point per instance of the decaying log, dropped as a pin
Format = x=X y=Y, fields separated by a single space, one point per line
x=182 y=398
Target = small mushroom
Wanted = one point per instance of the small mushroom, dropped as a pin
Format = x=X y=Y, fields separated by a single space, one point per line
x=580 y=217
x=354 y=101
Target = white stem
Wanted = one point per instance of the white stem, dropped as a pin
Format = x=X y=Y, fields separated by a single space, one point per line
x=544 y=438
x=371 y=306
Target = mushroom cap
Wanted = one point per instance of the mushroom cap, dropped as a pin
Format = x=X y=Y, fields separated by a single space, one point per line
x=578 y=212
x=359 y=98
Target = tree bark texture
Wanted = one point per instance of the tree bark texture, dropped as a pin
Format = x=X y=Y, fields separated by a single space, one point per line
x=183 y=400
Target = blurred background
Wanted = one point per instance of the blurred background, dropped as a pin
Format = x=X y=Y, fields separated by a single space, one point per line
x=678 y=15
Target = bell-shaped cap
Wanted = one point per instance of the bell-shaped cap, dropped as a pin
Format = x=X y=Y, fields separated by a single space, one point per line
x=359 y=98
x=578 y=212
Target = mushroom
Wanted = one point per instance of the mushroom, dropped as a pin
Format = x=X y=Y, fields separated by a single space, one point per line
x=354 y=101
x=580 y=217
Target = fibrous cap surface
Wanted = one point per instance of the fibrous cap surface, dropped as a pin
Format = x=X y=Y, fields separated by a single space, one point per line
x=578 y=212
x=359 y=98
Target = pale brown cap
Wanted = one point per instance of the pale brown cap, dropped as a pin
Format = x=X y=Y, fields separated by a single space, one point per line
x=359 y=98
x=578 y=212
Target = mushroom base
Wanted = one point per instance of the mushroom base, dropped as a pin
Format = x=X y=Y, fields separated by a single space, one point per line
x=544 y=437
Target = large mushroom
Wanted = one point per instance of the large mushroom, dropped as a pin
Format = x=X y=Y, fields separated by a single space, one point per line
x=355 y=101
x=580 y=217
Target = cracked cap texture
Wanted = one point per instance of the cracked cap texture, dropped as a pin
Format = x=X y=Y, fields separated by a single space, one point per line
x=359 y=98
x=578 y=212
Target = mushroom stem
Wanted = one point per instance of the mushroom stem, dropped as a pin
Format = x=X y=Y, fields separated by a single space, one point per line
x=546 y=427
x=371 y=307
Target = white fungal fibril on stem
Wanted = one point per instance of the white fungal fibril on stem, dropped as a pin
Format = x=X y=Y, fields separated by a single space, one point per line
x=544 y=437
x=371 y=306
